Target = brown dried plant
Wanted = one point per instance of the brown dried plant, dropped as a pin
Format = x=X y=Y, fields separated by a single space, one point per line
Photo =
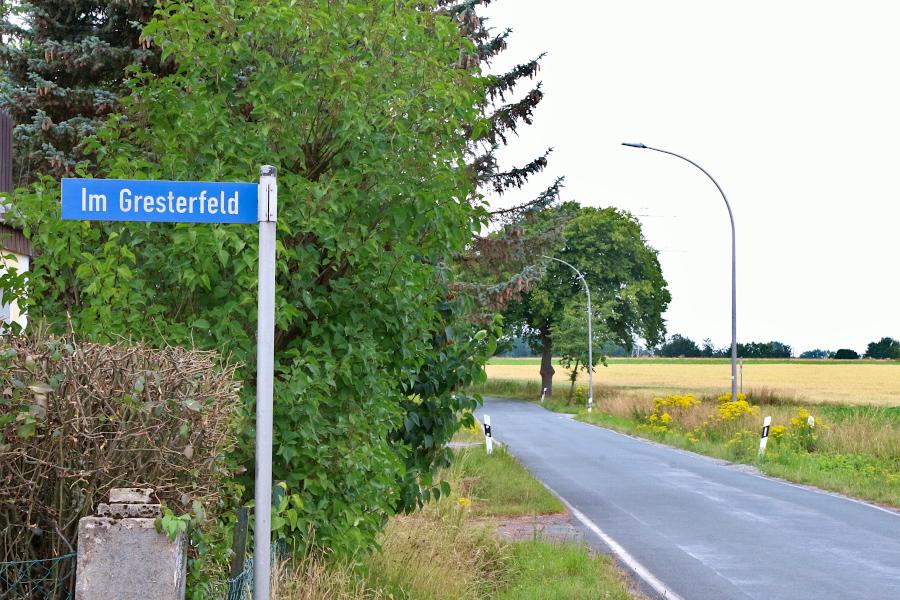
x=77 y=419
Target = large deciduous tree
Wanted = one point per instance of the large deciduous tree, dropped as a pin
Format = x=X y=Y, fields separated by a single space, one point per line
x=362 y=107
x=681 y=345
x=628 y=290
x=885 y=348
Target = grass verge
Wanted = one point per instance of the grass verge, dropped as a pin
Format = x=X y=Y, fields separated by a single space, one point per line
x=498 y=486
x=853 y=450
x=573 y=573
x=449 y=549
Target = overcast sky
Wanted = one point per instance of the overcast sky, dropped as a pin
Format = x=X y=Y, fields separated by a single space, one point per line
x=791 y=106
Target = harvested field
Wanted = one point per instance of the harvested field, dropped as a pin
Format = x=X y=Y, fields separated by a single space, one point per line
x=841 y=382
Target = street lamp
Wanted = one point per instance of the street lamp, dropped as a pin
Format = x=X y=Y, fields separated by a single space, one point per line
x=733 y=264
x=587 y=290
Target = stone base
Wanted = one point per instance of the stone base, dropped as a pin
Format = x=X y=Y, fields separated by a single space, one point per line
x=128 y=559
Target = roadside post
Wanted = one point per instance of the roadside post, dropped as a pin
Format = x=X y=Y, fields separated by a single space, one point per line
x=160 y=201
x=590 y=335
x=764 y=439
x=488 y=438
x=544 y=393
x=267 y=214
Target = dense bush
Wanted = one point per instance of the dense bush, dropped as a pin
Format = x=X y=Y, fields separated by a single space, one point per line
x=77 y=419
x=845 y=354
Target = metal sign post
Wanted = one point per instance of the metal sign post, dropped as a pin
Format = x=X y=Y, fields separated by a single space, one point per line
x=265 y=375
x=209 y=202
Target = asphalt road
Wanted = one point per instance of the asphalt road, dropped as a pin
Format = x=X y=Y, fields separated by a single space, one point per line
x=701 y=528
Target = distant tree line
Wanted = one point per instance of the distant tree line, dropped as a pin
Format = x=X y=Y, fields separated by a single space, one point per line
x=682 y=346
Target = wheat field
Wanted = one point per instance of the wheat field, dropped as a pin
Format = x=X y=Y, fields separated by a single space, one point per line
x=859 y=382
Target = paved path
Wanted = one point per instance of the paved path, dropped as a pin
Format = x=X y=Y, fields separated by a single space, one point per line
x=704 y=529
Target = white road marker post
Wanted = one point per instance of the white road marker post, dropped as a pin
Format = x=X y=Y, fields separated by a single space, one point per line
x=767 y=423
x=267 y=209
x=811 y=421
x=544 y=393
x=488 y=438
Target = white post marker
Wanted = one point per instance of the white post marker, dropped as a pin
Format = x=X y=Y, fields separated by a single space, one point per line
x=811 y=421
x=267 y=208
x=767 y=423
x=488 y=439
x=544 y=393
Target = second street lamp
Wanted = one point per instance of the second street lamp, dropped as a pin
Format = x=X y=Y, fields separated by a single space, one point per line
x=587 y=290
x=733 y=263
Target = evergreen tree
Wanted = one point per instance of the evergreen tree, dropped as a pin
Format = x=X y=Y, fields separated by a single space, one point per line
x=506 y=263
x=65 y=63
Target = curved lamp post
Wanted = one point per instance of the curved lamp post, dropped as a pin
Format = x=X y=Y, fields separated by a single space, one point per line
x=587 y=290
x=733 y=263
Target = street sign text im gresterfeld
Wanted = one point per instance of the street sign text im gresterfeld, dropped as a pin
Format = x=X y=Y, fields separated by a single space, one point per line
x=159 y=201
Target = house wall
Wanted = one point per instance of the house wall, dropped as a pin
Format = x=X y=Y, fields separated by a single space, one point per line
x=9 y=311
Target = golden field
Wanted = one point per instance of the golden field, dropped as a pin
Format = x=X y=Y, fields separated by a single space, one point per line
x=858 y=382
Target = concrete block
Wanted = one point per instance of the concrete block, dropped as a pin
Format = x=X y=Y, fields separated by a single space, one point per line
x=127 y=559
x=130 y=496
x=129 y=511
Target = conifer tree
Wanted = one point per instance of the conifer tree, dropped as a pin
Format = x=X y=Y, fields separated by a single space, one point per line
x=64 y=65
x=504 y=264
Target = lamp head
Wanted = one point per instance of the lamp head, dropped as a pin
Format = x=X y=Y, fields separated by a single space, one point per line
x=633 y=145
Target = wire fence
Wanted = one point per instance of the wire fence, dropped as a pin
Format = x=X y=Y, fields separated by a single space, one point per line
x=241 y=586
x=48 y=579
x=54 y=579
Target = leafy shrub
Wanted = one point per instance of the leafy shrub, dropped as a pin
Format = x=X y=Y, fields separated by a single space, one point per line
x=845 y=354
x=77 y=419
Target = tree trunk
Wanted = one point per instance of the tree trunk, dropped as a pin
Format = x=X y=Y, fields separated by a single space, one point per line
x=572 y=379
x=547 y=369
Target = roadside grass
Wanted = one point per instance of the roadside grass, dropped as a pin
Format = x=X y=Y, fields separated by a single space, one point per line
x=576 y=575
x=449 y=549
x=498 y=486
x=853 y=450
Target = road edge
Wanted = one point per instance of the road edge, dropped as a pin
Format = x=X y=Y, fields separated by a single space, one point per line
x=622 y=555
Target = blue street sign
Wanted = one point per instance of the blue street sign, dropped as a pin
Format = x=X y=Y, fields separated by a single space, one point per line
x=168 y=201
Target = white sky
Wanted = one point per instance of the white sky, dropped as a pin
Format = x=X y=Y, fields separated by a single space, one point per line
x=794 y=107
